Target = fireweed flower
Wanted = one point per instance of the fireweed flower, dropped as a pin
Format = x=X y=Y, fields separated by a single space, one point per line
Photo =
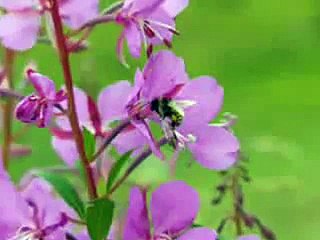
x=173 y=208
x=163 y=93
x=147 y=23
x=32 y=213
x=23 y=18
x=38 y=108
x=95 y=117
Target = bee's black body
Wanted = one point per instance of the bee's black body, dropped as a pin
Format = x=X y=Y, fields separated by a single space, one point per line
x=165 y=110
x=171 y=117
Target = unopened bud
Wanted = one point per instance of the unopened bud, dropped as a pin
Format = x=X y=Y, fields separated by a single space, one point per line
x=249 y=220
x=267 y=233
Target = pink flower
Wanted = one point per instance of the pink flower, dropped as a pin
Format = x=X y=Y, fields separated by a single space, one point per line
x=163 y=93
x=173 y=208
x=148 y=23
x=95 y=117
x=20 y=26
x=32 y=213
x=38 y=108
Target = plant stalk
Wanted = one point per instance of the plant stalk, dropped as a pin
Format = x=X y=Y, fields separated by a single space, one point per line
x=8 y=108
x=237 y=201
x=72 y=112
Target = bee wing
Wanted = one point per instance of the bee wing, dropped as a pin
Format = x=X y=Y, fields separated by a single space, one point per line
x=180 y=105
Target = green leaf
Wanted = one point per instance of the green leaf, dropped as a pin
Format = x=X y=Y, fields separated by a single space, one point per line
x=99 y=218
x=89 y=143
x=116 y=169
x=65 y=189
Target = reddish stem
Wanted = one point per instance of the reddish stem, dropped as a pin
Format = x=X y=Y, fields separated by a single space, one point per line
x=8 y=108
x=115 y=132
x=73 y=118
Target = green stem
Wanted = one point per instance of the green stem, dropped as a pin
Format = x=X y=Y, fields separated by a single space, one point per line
x=236 y=204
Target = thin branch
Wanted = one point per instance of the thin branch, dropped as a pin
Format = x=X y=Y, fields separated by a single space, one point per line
x=115 y=132
x=136 y=163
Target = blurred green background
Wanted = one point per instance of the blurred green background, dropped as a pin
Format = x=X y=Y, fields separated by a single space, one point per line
x=266 y=55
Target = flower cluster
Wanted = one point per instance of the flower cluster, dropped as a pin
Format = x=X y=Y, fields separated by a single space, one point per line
x=161 y=96
x=23 y=18
x=32 y=212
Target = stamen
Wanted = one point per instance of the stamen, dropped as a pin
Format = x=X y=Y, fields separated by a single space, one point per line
x=167 y=43
x=23 y=234
x=149 y=50
x=163 y=25
x=149 y=32
x=144 y=37
x=183 y=140
x=158 y=35
x=164 y=237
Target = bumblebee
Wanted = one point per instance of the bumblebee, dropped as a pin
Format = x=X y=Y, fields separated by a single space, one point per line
x=166 y=108
x=171 y=116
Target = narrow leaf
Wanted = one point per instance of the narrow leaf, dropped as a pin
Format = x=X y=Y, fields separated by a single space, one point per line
x=116 y=169
x=65 y=189
x=99 y=218
x=89 y=143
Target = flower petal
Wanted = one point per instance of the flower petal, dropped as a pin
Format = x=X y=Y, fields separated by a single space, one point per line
x=145 y=130
x=160 y=21
x=16 y=4
x=134 y=41
x=174 y=7
x=81 y=102
x=137 y=226
x=142 y=6
x=112 y=101
x=208 y=98
x=76 y=13
x=66 y=149
x=200 y=233
x=14 y=211
x=44 y=86
x=249 y=237
x=120 y=50
x=45 y=120
x=162 y=73
x=215 y=148
x=26 y=25
x=129 y=140
x=174 y=206
x=134 y=95
x=49 y=208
